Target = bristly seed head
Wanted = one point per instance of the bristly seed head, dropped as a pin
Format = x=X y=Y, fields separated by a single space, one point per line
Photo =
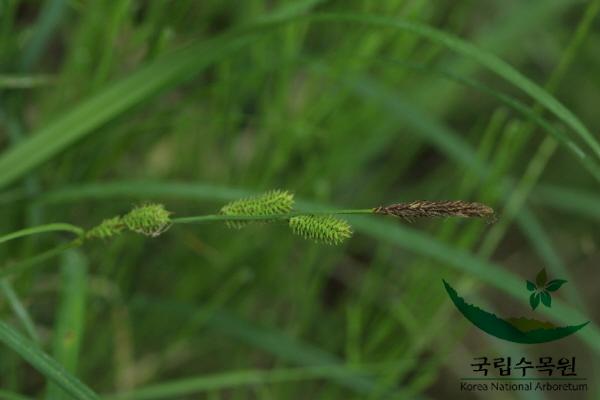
x=321 y=229
x=275 y=202
x=425 y=208
x=108 y=227
x=149 y=219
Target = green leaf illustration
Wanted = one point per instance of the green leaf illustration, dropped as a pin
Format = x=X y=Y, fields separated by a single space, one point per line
x=541 y=278
x=555 y=284
x=534 y=300
x=546 y=299
x=531 y=286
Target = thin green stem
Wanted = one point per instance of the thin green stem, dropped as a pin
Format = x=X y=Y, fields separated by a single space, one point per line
x=273 y=217
x=23 y=265
x=42 y=229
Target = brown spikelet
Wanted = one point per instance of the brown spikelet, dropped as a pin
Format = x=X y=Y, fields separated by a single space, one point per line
x=449 y=208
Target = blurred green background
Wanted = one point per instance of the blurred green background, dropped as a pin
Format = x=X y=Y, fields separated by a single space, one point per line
x=104 y=104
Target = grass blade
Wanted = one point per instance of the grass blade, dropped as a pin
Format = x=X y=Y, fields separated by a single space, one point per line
x=23 y=265
x=228 y=380
x=488 y=60
x=106 y=105
x=184 y=63
x=270 y=341
x=5 y=395
x=19 y=309
x=57 y=227
x=568 y=200
x=45 y=364
x=70 y=320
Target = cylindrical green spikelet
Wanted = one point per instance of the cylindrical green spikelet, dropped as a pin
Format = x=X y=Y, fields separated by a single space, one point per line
x=324 y=229
x=275 y=202
x=108 y=227
x=148 y=219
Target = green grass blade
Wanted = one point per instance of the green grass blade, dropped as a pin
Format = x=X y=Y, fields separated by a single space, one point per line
x=19 y=309
x=69 y=325
x=454 y=146
x=109 y=103
x=24 y=265
x=24 y=81
x=488 y=60
x=45 y=364
x=56 y=227
x=184 y=63
x=581 y=155
x=147 y=81
x=232 y=379
x=141 y=189
x=568 y=200
x=273 y=342
x=50 y=16
x=5 y=395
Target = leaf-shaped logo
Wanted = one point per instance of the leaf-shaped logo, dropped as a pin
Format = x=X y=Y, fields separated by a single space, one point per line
x=542 y=289
x=555 y=284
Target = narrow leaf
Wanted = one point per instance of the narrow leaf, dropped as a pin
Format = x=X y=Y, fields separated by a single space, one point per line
x=534 y=300
x=541 y=278
x=45 y=364
x=555 y=284
x=90 y=114
x=19 y=310
x=486 y=59
x=546 y=299
x=531 y=286
x=56 y=227
x=69 y=325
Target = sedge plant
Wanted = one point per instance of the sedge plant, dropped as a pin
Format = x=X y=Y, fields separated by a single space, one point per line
x=276 y=206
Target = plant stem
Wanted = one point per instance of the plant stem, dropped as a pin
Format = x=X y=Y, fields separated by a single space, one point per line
x=276 y=217
x=42 y=229
x=23 y=265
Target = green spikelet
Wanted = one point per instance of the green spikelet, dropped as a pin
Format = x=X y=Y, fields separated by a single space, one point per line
x=271 y=203
x=148 y=219
x=108 y=227
x=321 y=229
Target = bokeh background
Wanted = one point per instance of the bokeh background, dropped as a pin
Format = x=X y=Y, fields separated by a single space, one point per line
x=104 y=104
